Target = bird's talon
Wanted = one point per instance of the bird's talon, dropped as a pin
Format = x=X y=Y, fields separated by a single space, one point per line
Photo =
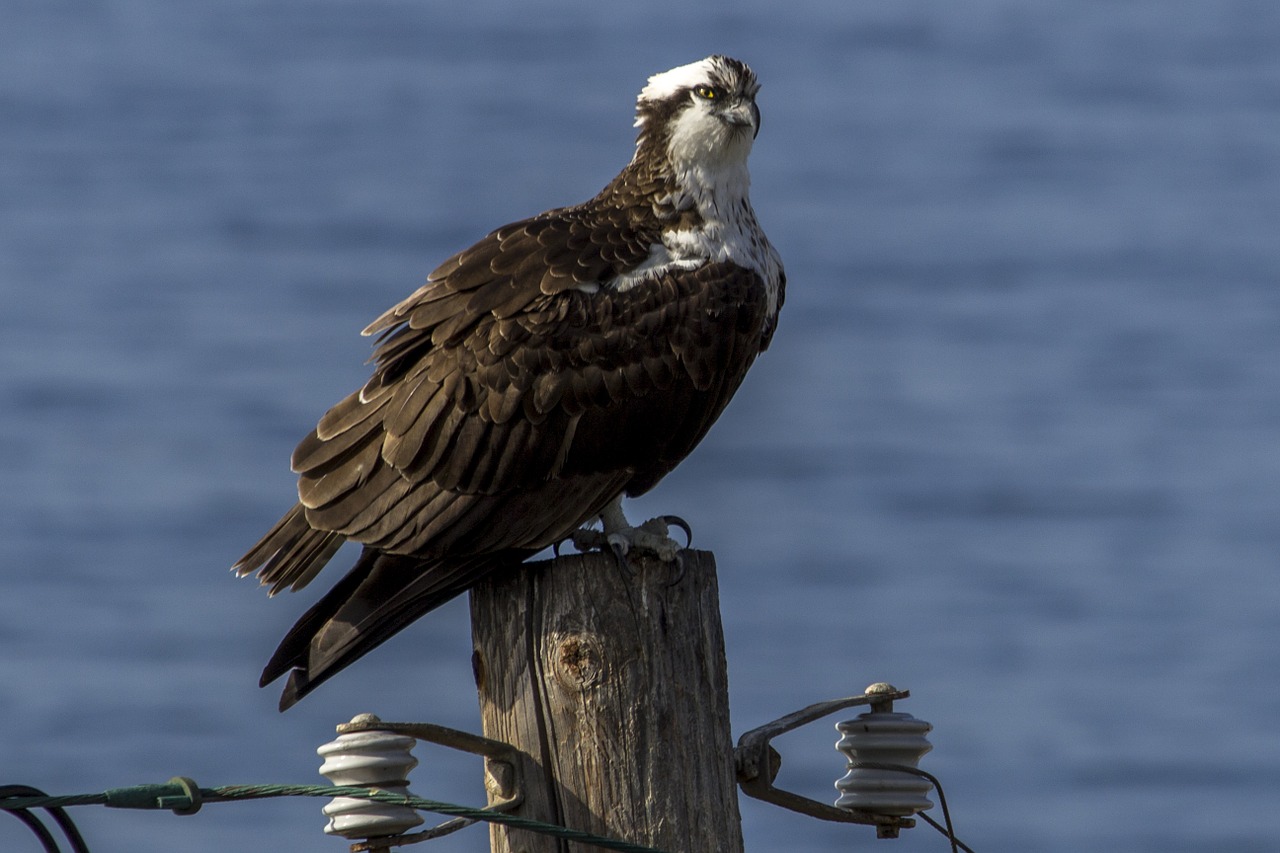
x=620 y=547
x=680 y=569
x=619 y=543
x=677 y=521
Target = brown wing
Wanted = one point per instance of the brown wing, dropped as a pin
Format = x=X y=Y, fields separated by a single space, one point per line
x=509 y=431
x=506 y=408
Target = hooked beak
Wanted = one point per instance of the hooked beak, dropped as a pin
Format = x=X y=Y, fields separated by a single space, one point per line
x=744 y=113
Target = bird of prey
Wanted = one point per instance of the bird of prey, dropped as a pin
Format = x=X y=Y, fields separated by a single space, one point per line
x=560 y=363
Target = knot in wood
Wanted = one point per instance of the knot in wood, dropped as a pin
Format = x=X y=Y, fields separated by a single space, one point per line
x=578 y=660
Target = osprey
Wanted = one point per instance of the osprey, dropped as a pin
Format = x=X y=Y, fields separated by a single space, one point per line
x=537 y=377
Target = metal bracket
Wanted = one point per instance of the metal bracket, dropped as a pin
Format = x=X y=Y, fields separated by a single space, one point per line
x=758 y=762
x=501 y=774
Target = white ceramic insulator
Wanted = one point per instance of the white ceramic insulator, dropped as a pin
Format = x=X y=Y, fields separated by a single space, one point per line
x=885 y=737
x=370 y=759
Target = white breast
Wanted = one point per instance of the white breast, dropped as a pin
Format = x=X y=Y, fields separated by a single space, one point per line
x=729 y=232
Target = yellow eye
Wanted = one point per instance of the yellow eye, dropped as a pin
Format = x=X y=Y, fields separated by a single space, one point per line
x=710 y=93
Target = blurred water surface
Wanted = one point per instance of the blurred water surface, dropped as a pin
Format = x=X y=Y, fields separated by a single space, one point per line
x=1014 y=447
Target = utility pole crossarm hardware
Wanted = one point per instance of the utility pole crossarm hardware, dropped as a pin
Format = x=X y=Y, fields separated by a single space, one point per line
x=758 y=762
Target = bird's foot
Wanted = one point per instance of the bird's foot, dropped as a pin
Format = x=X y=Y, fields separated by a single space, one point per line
x=622 y=539
x=651 y=537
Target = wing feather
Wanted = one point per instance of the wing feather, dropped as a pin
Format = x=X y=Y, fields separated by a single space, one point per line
x=471 y=444
x=322 y=486
x=308 y=553
x=401 y=449
x=501 y=415
x=346 y=415
x=428 y=314
x=352 y=514
x=412 y=394
x=436 y=451
x=315 y=453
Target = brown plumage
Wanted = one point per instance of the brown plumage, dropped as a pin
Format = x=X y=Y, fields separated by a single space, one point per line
x=527 y=385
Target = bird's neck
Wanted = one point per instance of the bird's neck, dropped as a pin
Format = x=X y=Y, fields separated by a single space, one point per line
x=683 y=187
x=696 y=212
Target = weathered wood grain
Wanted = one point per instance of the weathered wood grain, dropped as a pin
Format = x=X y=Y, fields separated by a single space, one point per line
x=614 y=689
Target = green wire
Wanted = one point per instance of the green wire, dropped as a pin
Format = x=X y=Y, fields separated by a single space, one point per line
x=184 y=797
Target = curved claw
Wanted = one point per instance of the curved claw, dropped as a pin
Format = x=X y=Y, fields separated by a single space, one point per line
x=677 y=521
x=620 y=552
x=680 y=569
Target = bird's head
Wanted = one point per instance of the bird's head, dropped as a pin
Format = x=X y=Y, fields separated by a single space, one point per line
x=701 y=114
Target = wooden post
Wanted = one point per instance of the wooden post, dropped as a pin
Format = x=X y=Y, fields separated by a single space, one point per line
x=613 y=688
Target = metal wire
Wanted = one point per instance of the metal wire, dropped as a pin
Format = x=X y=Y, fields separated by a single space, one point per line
x=949 y=829
x=37 y=827
x=182 y=799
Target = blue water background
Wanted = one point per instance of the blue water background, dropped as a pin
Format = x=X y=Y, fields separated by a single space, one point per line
x=1014 y=447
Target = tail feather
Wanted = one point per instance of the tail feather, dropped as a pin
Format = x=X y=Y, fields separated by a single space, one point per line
x=295 y=647
x=381 y=594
